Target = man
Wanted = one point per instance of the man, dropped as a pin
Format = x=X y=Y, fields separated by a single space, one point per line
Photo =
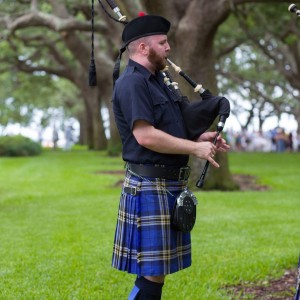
x=156 y=152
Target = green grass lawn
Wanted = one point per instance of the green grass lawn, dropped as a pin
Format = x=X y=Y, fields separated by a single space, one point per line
x=58 y=215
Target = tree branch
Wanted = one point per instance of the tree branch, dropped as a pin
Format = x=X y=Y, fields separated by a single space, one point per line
x=28 y=68
x=229 y=48
x=38 y=19
x=34 y=5
x=272 y=46
x=238 y=2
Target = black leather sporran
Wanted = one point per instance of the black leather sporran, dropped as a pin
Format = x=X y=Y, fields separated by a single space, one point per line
x=184 y=211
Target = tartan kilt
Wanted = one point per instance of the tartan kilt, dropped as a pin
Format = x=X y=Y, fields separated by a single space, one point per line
x=145 y=243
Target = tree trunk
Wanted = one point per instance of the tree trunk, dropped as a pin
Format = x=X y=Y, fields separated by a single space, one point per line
x=197 y=59
x=89 y=130
x=96 y=138
x=82 y=129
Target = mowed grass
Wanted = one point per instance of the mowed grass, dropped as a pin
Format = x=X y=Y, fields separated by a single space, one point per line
x=58 y=213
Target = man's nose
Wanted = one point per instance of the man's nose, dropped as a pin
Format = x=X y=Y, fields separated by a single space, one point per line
x=168 y=48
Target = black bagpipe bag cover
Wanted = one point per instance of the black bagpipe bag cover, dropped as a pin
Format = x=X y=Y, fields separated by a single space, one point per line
x=200 y=115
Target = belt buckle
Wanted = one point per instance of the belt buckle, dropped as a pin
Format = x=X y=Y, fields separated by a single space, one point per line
x=184 y=173
x=130 y=190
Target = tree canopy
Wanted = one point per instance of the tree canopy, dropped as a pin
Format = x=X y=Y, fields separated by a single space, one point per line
x=264 y=69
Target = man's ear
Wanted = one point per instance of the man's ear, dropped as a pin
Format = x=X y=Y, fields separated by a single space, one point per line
x=143 y=48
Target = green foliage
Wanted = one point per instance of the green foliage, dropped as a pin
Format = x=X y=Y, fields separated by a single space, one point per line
x=291 y=39
x=256 y=69
x=58 y=213
x=18 y=146
x=31 y=87
x=23 y=95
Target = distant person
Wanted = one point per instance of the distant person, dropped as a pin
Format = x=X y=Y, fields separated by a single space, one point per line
x=272 y=134
x=290 y=142
x=69 y=137
x=40 y=136
x=238 y=142
x=55 y=137
x=280 y=140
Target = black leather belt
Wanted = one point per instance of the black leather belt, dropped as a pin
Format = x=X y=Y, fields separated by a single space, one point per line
x=164 y=172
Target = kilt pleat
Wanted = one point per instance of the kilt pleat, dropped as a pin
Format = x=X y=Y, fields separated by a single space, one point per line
x=145 y=243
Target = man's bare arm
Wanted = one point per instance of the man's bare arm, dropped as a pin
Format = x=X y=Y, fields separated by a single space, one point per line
x=159 y=141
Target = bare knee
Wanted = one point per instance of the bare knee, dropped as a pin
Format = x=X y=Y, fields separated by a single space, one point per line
x=158 y=279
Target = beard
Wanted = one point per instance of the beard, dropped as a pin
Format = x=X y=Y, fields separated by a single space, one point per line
x=157 y=61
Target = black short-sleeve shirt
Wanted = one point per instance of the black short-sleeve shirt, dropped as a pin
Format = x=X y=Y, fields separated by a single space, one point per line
x=139 y=95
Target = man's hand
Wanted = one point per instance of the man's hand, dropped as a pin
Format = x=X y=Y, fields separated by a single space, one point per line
x=221 y=145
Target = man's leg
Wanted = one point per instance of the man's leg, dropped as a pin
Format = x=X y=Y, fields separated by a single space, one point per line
x=147 y=288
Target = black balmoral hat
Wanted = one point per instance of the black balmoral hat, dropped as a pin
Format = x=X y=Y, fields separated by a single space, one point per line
x=144 y=26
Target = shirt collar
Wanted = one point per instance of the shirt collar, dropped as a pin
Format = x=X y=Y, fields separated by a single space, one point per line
x=133 y=65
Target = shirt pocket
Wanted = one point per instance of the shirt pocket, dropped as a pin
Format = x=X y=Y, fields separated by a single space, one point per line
x=162 y=112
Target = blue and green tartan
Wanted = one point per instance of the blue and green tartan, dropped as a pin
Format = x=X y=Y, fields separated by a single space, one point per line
x=145 y=243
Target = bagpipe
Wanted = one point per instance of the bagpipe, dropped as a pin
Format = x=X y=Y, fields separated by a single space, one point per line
x=198 y=116
x=293 y=9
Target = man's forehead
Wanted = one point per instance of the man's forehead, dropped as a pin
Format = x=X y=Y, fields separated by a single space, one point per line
x=152 y=38
x=160 y=37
